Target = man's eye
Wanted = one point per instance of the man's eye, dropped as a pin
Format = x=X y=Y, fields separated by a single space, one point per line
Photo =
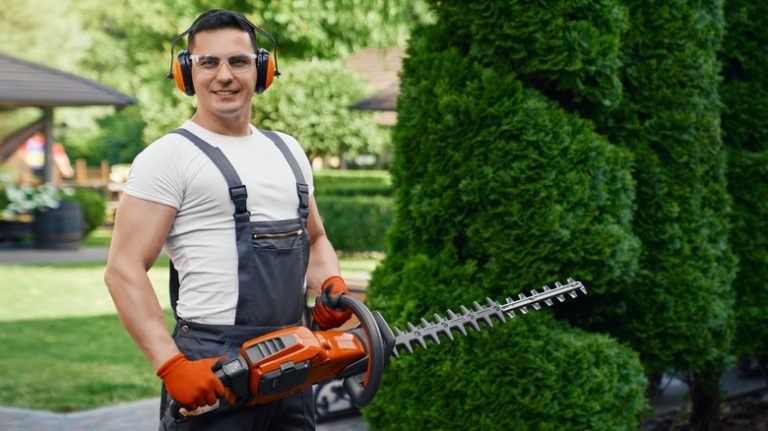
x=239 y=61
x=209 y=63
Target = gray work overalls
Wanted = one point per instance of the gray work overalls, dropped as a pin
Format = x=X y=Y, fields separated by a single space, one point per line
x=272 y=263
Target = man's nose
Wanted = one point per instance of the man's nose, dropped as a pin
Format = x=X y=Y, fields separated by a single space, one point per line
x=224 y=72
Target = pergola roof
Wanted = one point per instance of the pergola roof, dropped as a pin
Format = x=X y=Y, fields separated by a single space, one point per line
x=27 y=84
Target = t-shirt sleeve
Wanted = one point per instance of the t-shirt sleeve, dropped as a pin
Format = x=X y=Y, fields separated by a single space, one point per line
x=155 y=175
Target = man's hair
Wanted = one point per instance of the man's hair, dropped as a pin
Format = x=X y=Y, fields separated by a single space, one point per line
x=217 y=19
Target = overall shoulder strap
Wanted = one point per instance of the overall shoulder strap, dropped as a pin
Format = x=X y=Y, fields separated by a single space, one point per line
x=302 y=188
x=239 y=196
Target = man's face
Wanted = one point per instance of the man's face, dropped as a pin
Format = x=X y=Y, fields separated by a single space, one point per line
x=223 y=92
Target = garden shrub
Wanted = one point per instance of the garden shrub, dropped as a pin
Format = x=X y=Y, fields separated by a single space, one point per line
x=93 y=207
x=530 y=373
x=680 y=306
x=744 y=93
x=499 y=188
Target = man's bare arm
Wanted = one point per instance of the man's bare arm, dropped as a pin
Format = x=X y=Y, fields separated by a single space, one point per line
x=139 y=233
x=323 y=261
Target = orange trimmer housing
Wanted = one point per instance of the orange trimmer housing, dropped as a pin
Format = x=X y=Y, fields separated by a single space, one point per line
x=290 y=360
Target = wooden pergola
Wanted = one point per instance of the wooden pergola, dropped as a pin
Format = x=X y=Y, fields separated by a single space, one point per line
x=25 y=84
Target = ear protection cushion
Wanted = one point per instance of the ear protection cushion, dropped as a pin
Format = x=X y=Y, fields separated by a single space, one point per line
x=265 y=70
x=182 y=73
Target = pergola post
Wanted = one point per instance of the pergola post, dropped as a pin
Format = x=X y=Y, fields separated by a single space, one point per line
x=48 y=163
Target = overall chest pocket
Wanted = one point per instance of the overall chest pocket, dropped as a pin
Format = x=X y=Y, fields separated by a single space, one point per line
x=281 y=254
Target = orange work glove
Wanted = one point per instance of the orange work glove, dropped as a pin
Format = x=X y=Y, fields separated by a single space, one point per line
x=192 y=383
x=327 y=313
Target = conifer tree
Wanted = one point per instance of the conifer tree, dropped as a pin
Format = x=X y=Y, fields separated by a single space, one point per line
x=500 y=186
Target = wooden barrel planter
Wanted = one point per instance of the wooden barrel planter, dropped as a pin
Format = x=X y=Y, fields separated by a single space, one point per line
x=59 y=228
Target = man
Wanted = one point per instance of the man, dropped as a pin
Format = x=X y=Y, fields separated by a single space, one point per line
x=239 y=276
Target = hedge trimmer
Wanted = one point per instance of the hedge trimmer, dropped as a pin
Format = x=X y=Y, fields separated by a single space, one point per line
x=290 y=360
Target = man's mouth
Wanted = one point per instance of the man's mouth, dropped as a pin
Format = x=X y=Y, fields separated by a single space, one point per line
x=225 y=92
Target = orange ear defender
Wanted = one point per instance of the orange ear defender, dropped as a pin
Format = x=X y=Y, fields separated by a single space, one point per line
x=266 y=64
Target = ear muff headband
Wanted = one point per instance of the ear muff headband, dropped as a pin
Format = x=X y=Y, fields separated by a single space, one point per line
x=266 y=64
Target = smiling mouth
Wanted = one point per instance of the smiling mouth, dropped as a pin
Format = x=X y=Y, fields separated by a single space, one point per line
x=225 y=92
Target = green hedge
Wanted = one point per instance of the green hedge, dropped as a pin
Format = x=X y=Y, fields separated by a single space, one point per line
x=352 y=182
x=356 y=223
x=744 y=92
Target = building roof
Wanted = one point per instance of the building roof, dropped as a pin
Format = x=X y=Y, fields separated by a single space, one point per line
x=28 y=84
x=381 y=67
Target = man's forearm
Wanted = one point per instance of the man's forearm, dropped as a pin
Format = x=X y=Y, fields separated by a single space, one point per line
x=323 y=263
x=141 y=314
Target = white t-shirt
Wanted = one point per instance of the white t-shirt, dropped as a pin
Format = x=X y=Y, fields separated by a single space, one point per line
x=201 y=242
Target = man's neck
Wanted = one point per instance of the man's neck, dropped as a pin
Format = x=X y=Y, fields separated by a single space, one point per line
x=234 y=126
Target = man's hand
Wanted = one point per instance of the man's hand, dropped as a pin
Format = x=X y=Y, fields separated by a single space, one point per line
x=327 y=313
x=192 y=383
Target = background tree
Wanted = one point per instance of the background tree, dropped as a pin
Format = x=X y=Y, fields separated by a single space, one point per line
x=498 y=189
x=313 y=103
x=680 y=306
x=745 y=131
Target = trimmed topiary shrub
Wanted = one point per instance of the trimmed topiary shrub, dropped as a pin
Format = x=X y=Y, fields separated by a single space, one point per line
x=680 y=307
x=744 y=93
x=498 y=189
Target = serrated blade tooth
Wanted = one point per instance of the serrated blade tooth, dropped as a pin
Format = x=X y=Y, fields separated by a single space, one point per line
x=411 y=327
x=536 y=306
x=434 y=337
x=561 y=298
x=421 y=342
x=534 y=292
x=487 y=321
x=462 y=329
x=478 y=307
x=464 y=310
x=451 y=315
x=396 y=353
x=522 y=296
x=511 y=314
x=548 y=302
x=573 y=294
x=583 y=290
x=558 y=285
x=408 y=346
x=474 y=325
x=496 y=308
x=546 y=288
x=424 y=323
x=524 y=310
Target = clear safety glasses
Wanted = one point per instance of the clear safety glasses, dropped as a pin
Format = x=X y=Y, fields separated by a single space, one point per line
x=239 y=63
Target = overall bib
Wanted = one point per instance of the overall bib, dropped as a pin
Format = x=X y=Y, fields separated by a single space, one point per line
x=272 y=263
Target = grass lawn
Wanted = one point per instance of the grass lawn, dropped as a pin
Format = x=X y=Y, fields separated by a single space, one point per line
x=63 y=346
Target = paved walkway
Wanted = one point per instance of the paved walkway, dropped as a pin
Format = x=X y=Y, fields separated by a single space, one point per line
x=31 y=255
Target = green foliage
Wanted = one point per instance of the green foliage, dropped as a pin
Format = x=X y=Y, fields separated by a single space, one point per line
x=356 y=207
x=745 y=131
x=679 y=314
x=532 y=373
x=93 y=207
x=499 y=189
x=352 y=182
x=568 y=50
x=312 y=104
